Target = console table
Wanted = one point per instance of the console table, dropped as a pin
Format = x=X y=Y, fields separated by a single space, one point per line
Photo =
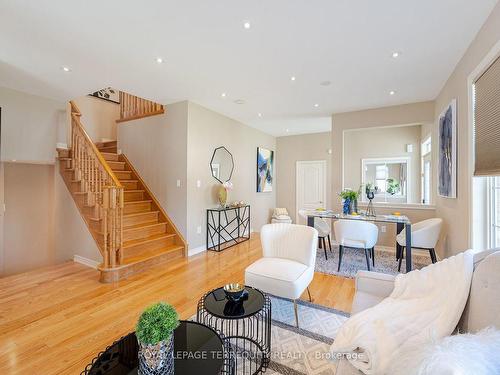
x=227 y=227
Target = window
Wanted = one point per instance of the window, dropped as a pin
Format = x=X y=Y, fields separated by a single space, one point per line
x=426 y=170
x=494 y=211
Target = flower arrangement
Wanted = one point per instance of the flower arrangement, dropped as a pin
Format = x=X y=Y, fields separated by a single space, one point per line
x=350 y=198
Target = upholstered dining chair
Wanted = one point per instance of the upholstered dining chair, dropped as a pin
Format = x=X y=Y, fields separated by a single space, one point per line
x=287 y=266
x=323 y=229
x=424 y=235
x=358 y=235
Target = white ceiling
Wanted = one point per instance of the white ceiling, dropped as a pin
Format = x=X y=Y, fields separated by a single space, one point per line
x=207 y=51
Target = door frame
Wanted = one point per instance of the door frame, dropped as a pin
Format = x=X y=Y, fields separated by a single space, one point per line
x=299 y=163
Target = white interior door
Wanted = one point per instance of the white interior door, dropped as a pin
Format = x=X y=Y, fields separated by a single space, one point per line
x=311 y=186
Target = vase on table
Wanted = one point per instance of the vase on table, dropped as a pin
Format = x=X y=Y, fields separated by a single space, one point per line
x=157 y=358
x=222 y=196
x=347 y=206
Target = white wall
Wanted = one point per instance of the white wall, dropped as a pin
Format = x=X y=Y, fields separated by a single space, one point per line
x=98 y=117
x=29 y=126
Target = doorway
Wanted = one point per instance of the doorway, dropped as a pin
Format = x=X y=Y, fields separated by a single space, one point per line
x=310 y=187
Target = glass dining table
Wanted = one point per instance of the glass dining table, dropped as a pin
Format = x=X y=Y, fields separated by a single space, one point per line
x=401 y=222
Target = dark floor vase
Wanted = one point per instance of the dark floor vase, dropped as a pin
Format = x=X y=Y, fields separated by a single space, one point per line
x=157 y=359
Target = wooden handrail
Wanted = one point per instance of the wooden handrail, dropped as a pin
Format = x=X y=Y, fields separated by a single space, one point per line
x=133 y=107
x=103 y=189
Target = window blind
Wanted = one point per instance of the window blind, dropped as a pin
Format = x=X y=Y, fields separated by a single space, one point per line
x=487 y=122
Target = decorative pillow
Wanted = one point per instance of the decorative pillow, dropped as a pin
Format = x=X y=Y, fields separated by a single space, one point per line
x=280 y=212
x=463 y=354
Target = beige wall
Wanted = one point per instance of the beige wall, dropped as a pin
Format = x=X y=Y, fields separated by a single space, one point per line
x=295 y=148
x=72 y=236
x=382 y=143
x=98 y=117
x=29 y=126
x=29 y=217
x=206 y=131
x=408 y=114
x=457 y=212
x=157 y=148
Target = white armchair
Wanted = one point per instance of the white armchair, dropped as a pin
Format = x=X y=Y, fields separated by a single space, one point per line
x=424 y=235
x=287 y=266
x=358 y=235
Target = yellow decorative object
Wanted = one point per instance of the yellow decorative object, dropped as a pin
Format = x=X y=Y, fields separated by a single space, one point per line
x=222 y=196
x=396 y=213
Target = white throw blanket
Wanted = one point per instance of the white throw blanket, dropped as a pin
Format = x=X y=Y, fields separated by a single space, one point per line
x=425 y=304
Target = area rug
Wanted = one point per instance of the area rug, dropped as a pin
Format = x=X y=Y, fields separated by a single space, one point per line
x=354 y=260
x=304 y=350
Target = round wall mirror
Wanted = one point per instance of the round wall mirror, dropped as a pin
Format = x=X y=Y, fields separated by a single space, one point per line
x=222 y=164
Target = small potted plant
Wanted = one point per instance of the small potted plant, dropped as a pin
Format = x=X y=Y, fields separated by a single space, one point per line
x=350 y=198
x=154 y=333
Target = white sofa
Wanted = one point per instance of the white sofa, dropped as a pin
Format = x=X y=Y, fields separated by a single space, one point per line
x=482 y=309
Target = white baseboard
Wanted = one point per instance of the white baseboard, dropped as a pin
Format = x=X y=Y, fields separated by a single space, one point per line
x=196 y=250
x=86 y=261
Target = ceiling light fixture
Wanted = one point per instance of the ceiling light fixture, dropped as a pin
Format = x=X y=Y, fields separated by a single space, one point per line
x=392 y=92
x=395 y=54
x=246 y=25
x=223 y=94
x=259 y=114
x=159 y=60
x=66 y=69
x=292 y=78
x=287 y=130
x=316 y=105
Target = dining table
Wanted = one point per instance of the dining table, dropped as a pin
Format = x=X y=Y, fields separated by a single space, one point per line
x=401 y=222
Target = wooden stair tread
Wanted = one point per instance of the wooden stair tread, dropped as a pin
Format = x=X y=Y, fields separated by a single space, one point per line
x=154 y=237
x=134 y=191
x=143 y=225
x=139 y=213
x=136 y=202
x=151 y=254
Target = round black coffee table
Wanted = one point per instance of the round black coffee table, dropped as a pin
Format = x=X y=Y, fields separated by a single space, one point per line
x=245 y=324
x=198 y=349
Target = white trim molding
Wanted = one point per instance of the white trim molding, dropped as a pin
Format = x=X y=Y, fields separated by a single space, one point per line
x=86 y=261
x=196 y=250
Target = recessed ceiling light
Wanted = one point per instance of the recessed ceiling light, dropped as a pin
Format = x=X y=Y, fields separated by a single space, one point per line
x=392 y=92
x=159 y=60
x=223 y=94
x=287 y=130
x=292 y=78
x=66 y=69
x=316 y=105
x=259 y=114
x=246 y=25
x=396 y=54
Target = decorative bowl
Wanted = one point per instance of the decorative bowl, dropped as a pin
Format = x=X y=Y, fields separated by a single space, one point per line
x=234 y=291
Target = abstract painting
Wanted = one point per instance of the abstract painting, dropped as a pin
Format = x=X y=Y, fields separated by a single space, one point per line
x=109 y=94
x=447 y=136
x=265 y=163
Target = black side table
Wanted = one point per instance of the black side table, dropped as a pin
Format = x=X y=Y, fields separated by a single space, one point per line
x=198 y=349
x=246 y=325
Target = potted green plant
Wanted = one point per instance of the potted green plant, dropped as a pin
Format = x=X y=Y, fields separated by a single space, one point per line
x=154 y=332
x=350 y=198
x=392 y=186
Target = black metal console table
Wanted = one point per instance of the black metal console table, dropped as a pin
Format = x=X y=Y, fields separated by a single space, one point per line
x=227 y=227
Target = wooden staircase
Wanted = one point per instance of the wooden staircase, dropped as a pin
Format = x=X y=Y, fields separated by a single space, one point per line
x=132 y=230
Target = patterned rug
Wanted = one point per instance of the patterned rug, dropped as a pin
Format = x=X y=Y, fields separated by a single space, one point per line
x=304 y=350
x=354 y=260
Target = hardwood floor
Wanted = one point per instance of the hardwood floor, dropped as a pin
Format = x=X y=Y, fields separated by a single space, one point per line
x=54 y=320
